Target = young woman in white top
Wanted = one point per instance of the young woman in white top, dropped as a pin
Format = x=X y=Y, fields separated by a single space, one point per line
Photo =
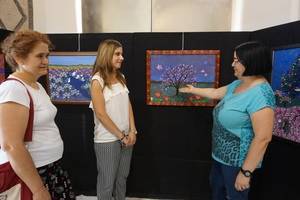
x=35 y=162
x=115 y=131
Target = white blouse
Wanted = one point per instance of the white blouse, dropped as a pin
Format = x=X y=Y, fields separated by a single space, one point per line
x=117 y=108
x=46 y=145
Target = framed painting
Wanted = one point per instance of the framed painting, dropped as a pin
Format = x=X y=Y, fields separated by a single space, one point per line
x=2 y=69
x=286 y=85
x=69 y=77
x=169 y=70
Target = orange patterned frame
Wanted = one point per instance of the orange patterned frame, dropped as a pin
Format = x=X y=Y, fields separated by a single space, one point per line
x=159 y=98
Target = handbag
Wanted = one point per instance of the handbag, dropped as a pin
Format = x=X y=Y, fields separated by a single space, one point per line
x=11 y=186
x=14 y=193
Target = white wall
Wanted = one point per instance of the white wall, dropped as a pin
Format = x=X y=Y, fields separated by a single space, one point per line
x=55 y=16
x=250 y=15
x=191 y=15
x=116 y=16
x=247 y=15
x=156 y=15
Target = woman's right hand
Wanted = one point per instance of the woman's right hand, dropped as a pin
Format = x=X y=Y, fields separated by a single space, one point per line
x=42 y=194
x=188 y=89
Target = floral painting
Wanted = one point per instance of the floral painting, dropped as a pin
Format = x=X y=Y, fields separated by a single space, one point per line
x=69 y=76
x=286 y=85
x=169 y=70
x=287 y=123
x=2 y=70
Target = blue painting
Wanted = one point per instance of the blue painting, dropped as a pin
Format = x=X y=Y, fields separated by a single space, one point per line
x=167 y=71
x=286 y=76
x=286 y=85
x=69 y=76
x=2 y=70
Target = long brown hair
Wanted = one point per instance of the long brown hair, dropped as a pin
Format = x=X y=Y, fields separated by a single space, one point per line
x=103 y=63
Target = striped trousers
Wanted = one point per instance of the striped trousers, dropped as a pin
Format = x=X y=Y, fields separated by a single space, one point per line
x=113 y=165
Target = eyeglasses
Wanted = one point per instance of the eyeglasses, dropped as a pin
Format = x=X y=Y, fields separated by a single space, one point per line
x=236 y=60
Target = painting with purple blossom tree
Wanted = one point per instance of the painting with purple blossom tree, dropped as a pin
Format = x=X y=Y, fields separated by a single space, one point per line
x=69 y=76
x=286 y=84
x=169 y=70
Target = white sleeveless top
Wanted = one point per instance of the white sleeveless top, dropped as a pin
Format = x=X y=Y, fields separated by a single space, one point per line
x=117 y=108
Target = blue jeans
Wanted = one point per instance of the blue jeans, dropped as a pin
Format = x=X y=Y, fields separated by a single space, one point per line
x=222 y=179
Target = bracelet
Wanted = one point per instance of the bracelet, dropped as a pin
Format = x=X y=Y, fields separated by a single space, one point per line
x=135 y=132
x=122 y=138
x=39 y=189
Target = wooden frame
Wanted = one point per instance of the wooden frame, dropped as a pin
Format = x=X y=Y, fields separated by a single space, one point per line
x=168 y=70
x=69 y=75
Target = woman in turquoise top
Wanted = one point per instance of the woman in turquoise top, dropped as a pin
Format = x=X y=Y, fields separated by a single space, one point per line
x=243 y=121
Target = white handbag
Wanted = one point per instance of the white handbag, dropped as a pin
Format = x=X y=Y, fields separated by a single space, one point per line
x=13 y=193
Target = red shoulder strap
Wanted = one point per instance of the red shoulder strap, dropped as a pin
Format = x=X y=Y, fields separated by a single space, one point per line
x=28 y=132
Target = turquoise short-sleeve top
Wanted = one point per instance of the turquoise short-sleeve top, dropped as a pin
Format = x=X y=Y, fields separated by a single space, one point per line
x=232 y=129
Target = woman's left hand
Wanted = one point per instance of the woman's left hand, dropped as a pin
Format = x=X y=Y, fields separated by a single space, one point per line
x=131 y=138
x=242 y=182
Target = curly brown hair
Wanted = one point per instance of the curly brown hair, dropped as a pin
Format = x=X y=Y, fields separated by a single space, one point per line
x=20 y=44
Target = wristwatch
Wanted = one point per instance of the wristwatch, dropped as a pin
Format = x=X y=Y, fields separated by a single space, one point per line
x=246 y=173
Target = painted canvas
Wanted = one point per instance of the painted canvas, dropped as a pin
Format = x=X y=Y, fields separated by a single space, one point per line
x=286 y=85
x=69 y=76
x=16 y=15
x=169 y=70
x=2 y=70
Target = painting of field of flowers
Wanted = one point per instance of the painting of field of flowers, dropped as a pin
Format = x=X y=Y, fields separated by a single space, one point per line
x=169 y=70
x=69 y=76
x=286 y=85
